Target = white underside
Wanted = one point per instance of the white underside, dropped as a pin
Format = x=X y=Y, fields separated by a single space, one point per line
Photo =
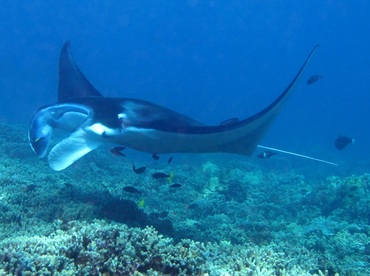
x=86 y=139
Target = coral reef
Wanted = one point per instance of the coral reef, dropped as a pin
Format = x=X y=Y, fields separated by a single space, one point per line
x=101 y=248
x=230 y=216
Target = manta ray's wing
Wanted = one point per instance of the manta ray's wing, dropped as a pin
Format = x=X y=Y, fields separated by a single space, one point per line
x=74 y=87
x=72 y=83
x=243 y=137
x=239 y=137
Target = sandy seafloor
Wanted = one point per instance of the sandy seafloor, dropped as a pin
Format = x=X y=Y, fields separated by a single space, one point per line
x=232 y=216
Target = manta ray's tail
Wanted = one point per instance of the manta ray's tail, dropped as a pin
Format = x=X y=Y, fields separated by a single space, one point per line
x=298 y=155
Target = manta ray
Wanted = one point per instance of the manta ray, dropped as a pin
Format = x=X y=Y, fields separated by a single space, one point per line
x=91 y=120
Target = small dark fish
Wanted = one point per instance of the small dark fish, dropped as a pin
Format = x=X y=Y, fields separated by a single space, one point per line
x=170 y=160
x=177 y=185
x=155 y=156
x=230 y=121
x=131 y=189
x=342 y=141
x=314 y=79
x=160 y=175
x=118 y=151
x=266 y=154
x=138 y=170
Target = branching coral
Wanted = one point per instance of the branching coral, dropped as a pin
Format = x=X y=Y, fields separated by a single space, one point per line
x=115 y=249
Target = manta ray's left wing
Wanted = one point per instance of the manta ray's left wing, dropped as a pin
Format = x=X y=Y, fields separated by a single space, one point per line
x=72 y=83
x=239 y=137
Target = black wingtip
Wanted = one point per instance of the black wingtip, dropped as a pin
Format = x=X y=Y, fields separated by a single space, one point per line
x=66 y=46
x=72 y=82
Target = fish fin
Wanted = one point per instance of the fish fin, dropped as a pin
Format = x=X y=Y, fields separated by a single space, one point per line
x=72 y=82
x=69 y=150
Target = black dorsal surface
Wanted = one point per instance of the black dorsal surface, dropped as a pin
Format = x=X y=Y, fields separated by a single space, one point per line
x=72 y=83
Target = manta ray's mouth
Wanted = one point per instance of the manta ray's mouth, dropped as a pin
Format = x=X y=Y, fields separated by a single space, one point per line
x=68 y=117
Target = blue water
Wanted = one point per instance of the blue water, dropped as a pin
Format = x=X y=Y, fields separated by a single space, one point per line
x=211 y=60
